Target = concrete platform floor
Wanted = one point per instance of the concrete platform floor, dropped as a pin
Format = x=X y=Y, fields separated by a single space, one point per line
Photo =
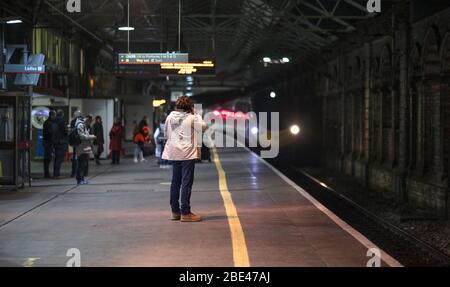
x=122 y=219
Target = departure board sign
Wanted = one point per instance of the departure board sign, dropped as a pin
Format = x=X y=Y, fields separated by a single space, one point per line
x=152 y=58
x=206 y=68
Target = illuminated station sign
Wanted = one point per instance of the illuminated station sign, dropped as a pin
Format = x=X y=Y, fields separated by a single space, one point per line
x=206 y=68
x=152 y=58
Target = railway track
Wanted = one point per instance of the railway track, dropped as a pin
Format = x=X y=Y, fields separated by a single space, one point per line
x=406 y=248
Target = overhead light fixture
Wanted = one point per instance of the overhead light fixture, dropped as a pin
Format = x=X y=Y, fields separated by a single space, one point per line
x=273 y=95
x=126 y=28
x=285 y=60
x=189 y=88
x=14 y=21
x=189 y=79
x=267 y=60
x=189 y=94
x=158 y=103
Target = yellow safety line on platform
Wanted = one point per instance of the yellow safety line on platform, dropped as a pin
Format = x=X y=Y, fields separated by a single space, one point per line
x=240 y=253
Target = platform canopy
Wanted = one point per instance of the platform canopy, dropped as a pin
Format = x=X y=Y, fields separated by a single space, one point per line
x=234 y=33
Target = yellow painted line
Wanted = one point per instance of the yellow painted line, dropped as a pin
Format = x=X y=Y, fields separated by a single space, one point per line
x=240 y=253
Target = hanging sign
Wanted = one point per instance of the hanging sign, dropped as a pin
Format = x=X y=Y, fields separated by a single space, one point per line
x=152 y=58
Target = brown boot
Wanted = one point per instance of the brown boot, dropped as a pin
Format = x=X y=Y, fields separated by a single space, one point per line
x=175 y=216
x=190 y=218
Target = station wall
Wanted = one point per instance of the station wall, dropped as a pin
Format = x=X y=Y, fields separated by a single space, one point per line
x=386 y=112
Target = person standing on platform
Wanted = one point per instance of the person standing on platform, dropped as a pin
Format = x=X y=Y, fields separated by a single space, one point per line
x=84 y=148
x=48 y=142
x=115 y=144
x=76 y=116
x=160 y=140
x=140 y=139
x=182 y=128
x=138 y=154
x=97 y=130
x=89 y=129
x=60 y=142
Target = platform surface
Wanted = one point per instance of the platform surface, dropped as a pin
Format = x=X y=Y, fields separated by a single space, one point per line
x=122 y=219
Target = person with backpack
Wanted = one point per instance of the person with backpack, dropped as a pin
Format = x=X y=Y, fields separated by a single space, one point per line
x=60 y=141
x=47 y=137
x=83 y=148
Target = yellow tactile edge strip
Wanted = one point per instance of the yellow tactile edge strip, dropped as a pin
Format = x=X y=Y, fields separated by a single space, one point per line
x=240 y=253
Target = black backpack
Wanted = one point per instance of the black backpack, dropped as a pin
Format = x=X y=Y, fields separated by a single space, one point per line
x=74 y=137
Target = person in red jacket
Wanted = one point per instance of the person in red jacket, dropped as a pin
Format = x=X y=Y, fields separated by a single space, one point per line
x=142 y=137
x=115 y=144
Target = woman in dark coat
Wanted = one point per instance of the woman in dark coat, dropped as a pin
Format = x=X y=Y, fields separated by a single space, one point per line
x=97 y=130
x=115 y=144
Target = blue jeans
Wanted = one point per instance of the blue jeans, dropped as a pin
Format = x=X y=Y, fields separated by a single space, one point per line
x=182 y=179
x=82 y=166
x=138 y=153
x=60 y=151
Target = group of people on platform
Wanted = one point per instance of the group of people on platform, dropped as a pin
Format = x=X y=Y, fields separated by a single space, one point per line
x=175 y=143
x=86 y=135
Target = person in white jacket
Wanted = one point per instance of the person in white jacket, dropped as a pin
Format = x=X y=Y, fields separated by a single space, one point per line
x=84 y=149
x=182 y=129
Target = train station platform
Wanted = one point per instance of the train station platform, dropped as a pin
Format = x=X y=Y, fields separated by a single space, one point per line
x=253 y=216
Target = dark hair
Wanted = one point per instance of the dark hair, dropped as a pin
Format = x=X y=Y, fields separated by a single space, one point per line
x=60 y=113
x=184 y=103
x=52 y=113
x=98 y=118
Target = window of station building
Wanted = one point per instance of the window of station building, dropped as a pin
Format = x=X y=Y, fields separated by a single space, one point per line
x=56 y=48
x=6 y=123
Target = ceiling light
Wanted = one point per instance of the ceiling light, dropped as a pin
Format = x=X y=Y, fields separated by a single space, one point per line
x=285 y=60
x=273 y=95
x=267 y=60
x=14 y=21
x=126 y=28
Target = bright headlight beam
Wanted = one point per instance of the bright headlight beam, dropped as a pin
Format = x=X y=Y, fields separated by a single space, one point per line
x=295 y=129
